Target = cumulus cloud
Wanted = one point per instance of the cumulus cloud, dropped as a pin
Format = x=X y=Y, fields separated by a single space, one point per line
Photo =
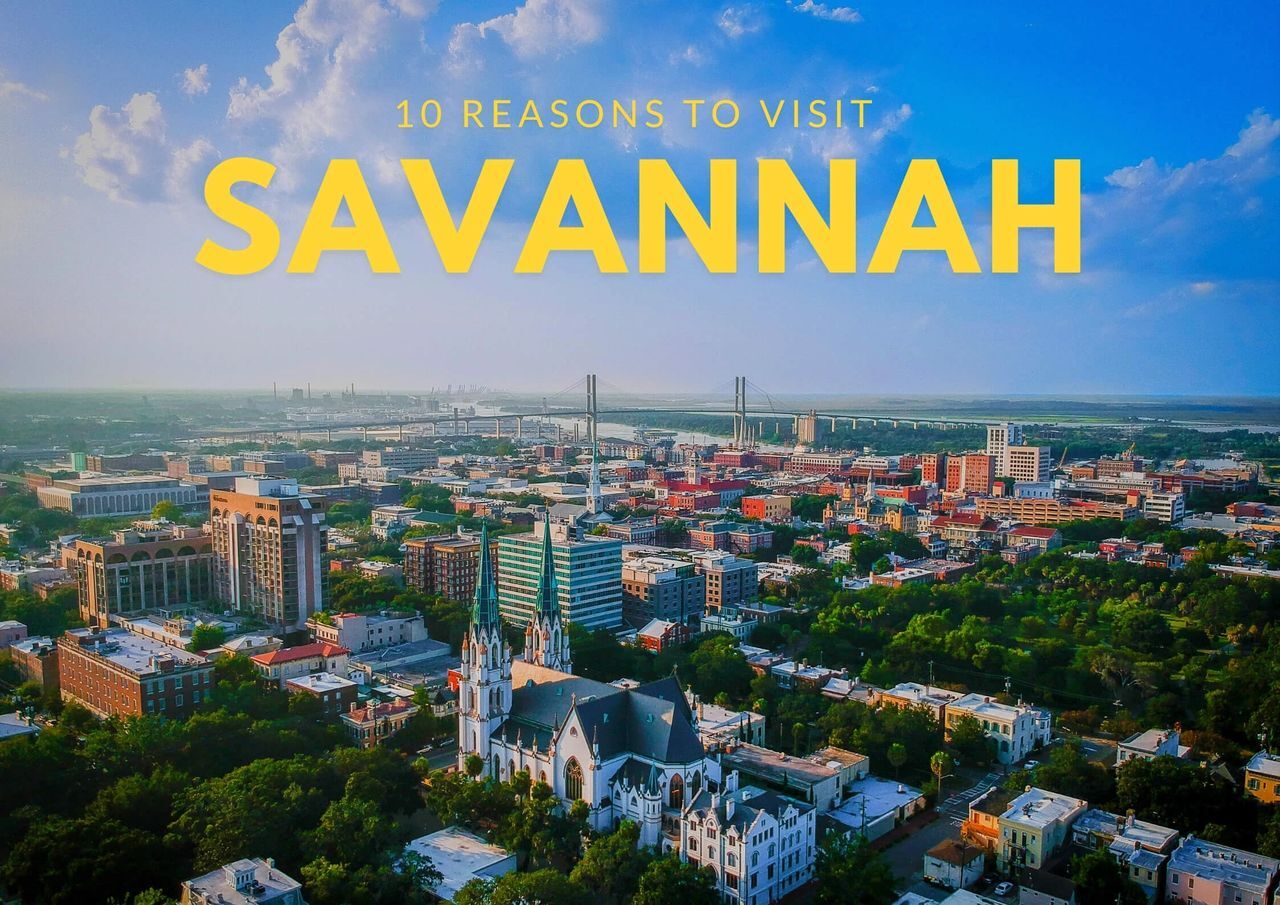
x=737 y=21
x=127 y=155
x=539 y=28
x=313 y=88
x=845 y=14
x=196 y=80
x=1210 y=215
x=11 y=89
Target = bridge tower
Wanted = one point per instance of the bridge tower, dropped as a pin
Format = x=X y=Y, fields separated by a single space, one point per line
x=740 y=412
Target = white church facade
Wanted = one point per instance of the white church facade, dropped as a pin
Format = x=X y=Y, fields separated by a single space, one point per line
x=630 y=753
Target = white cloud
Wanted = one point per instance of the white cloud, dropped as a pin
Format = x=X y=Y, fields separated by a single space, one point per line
x=1204 y=216
x=539 y=28
x=845 y=14
x=19 y=90
x=1246 y=162
x=315 y=90
x=1204 y=287
x=126 y=154
x=196 y=80
x=737 y=21
x=892 y=122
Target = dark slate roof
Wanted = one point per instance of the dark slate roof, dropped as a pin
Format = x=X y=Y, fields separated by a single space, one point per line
x=652 y=720
x=748 y=802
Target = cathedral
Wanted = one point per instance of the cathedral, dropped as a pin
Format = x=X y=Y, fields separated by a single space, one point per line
x=628 y=753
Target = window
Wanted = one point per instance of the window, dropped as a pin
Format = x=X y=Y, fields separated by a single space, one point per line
x=676 y=793
x=572 y=780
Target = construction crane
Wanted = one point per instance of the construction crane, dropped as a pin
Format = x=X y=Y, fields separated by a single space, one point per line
x=1063 y=460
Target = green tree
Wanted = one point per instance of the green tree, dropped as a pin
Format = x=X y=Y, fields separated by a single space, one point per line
x=207 y=637
x=167 y=509
x=850 y=872
x=897 y=756
x=970 y=742
x=1100 y=880
x=613 y=864
x=668 y=879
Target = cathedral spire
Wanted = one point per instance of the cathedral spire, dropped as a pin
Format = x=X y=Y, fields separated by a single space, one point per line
x=547 y=604
x=484 y=610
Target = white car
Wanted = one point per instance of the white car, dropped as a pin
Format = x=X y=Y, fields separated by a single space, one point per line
x=1030 y=765
x=1004 y=889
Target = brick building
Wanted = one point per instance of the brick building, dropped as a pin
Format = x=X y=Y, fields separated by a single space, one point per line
x=114 y=672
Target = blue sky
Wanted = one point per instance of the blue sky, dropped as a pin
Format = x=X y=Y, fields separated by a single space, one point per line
x=111 y=115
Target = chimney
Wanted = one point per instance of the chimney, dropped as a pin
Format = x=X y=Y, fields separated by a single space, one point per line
x=728 y=809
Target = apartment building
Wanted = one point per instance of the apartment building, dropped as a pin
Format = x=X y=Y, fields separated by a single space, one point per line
x=1029 y=464
x=151 y=565
x=36 y=660
x=588 y=577
x=1054 y=511
x=1150 y=744
x=336 y=694
x=1142 y=848
x=762 y=846
x=821 y=779
x=933 y=469
x=444 y=564
x=970 y=473
x=114 y=672
x=359 y=632
x=268 y=538
x=660 y=587
x=408 y=458
x=115 y=495
x=1205 y=873
x=913 y=694
x=279 y=666
x=1262 y=777
x=387 y=522
x=1169 y=508
x=1034 y=827
x=1014 y=728
x=249 y=881
x=731 y=583
x=373 y=723
x=1000 y=437
x=818 y=463
x=771 y=507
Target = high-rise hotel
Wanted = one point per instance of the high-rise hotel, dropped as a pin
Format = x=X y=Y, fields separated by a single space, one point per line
x=268 y=539
x=588 y=576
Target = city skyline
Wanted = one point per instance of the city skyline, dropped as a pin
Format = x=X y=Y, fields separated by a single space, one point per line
x=109 y=146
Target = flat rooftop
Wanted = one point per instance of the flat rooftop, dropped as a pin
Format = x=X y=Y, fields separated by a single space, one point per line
x=320 y=683
x=984 y=706
x=135 y=653
x=1219 y=862
x=872 y=798
x=1039 y=808
x=461 y=856
x=1148 y=835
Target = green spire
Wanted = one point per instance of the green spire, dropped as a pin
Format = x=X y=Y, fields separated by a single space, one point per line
x=484 y=611
x=548 y=602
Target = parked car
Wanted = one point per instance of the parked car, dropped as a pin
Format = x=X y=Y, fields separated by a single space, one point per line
x=1031 y=764
x=1004 y=889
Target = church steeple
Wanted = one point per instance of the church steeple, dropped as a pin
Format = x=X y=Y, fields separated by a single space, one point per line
x=546 y=643
x=548 y=602
x=484 y=607
x=484 y=689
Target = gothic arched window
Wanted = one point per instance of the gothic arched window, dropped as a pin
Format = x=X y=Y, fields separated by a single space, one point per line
x=675 y=796
x=695 y=784
x=572 y=780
